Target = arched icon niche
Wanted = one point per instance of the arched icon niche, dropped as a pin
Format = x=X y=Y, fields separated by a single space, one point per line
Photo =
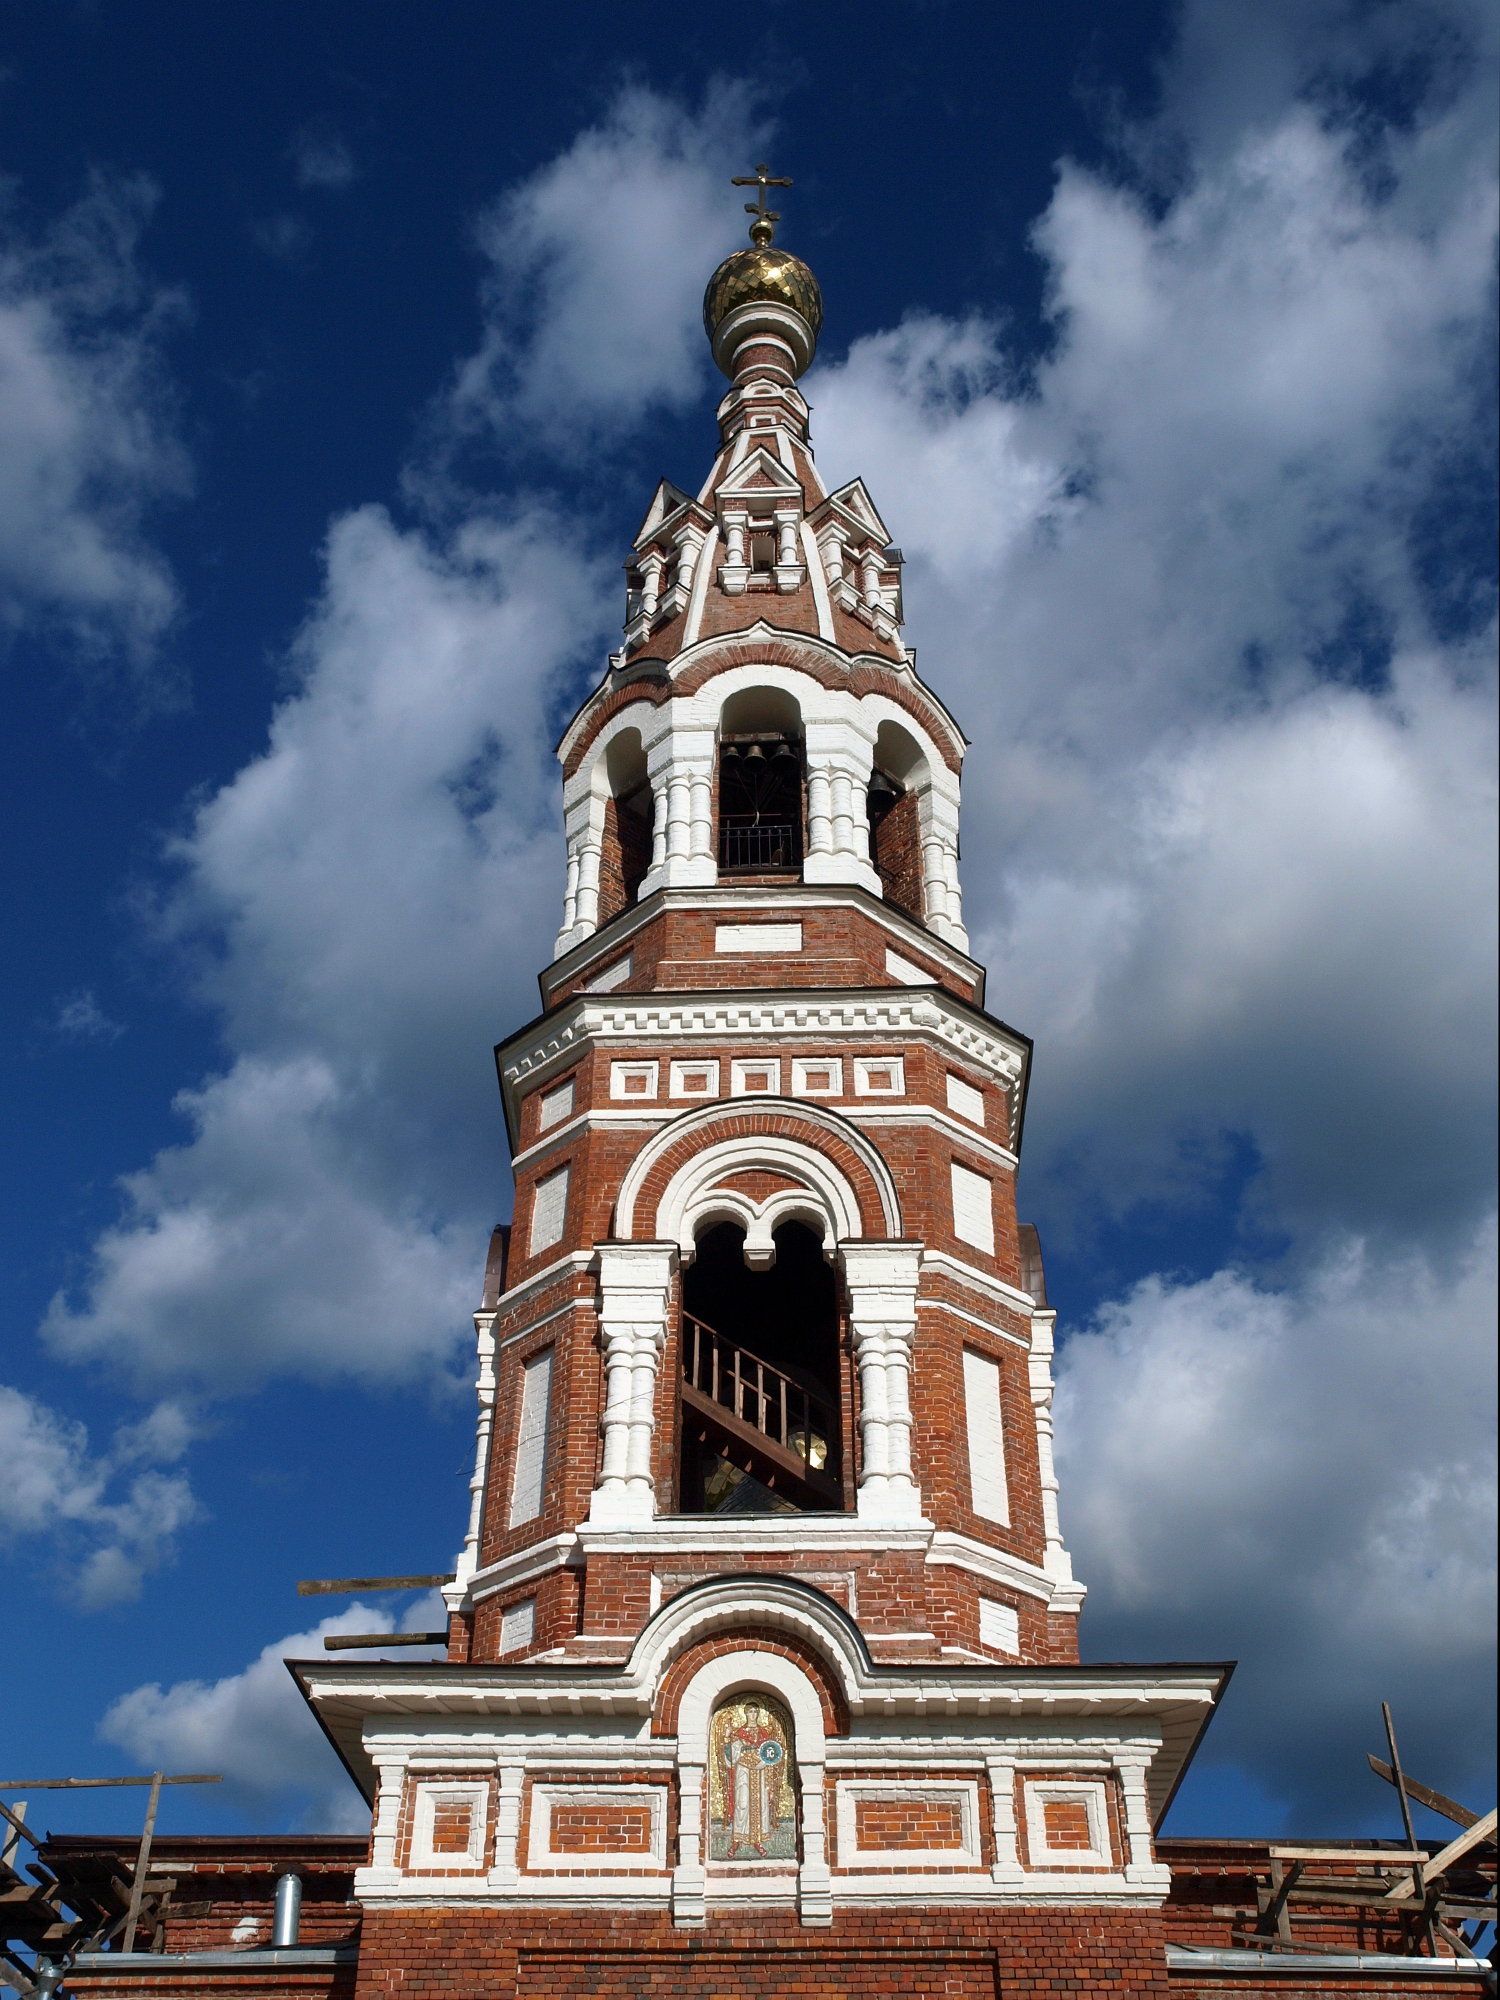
x=752 y=1781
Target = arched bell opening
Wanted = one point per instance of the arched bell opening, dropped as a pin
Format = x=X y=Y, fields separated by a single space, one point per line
x=760 y=783
x=625 y=850
x=762 y=1422
x=894 y=813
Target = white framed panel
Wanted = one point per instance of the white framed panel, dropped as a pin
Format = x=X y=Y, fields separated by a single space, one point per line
x=879 y=1076
x=636 y=1081
x=817 y=1076
x=960 y=1793
x=902 y=970
x=549 y=1208
x=987 y=1484
x=556 y=1105
x=1078 y=1810
x=693 y=1079
x=529 y=1477
x=999 y=1626
x=518 y=1625
x=751 y=938
x=973 y=1208
x=441 y=1810
x=545 y=1801
x=965 y=1099
x=755 y=1076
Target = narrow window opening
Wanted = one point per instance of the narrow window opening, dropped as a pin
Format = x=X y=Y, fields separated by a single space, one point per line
x=761 y=1424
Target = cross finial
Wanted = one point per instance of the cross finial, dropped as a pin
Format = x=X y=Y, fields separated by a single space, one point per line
x=761 y=229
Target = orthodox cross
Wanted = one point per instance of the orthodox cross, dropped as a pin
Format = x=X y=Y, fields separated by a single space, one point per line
x=761 y=230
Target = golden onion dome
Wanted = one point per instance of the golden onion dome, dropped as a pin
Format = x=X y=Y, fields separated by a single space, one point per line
x=762 y=272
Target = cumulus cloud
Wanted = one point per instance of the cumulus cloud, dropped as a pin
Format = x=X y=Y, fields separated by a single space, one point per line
x=1312 y=1467
x=255 y=1728
x=1232 y=718
x=87 y=436
x=580 y=337
x=54 y=1491
x=351 y=904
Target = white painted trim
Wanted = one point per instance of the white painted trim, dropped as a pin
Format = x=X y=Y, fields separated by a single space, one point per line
x=982 y=1281
x=546 y=1798
x=973 y=1319
x=524 y=1566
x=819 y=583
x=678 y=1072
x=742 y=1068
x=693 y=618
x=642 y=1120
x=621 y=1074
x=575 y=1260
x=874 y=1111
x=964 y=1792
x=827 y=1179
x=993 y=1565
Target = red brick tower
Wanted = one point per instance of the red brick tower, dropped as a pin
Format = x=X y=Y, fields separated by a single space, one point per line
x=764 y=1604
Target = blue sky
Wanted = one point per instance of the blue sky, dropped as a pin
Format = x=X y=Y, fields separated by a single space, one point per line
x=339 y=354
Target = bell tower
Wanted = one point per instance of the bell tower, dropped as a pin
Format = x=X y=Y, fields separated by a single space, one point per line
x=764 y=1601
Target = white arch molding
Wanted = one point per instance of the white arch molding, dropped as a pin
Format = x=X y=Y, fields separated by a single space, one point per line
x=635 y=1284
x=740 y=1152
x=750 y=1672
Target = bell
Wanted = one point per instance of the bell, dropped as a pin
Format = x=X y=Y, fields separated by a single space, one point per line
x=755 y=754
x=731 y=750
x=882 y=787
x=783 y=751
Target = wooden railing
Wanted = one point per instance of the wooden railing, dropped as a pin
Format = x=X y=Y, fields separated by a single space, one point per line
x=760 y=1397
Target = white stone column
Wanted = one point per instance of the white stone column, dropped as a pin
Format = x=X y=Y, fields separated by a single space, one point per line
x=689 y=545
x=634 y=1285
x=570 y=894
x=814 y=1877
x=843 y=818
x=869 y=563
x=588 y=886
x=689 y=1877
x=468 y=1562
x=679 y=814
x=1007 y=1868
x=701 y=842
x=659 y=823
x=506 y=1871
x=382 y=1872
x=1132 y=1766
x=819 y=810
x=882 y=1284
x=1055 y=1561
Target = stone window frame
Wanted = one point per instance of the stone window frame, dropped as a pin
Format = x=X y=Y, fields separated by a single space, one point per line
x=834 y=1065
x=1039 y=1793
x=740 y=1065
x=540 y=1859
x=849 y=1791
x=893 y=1066
x=426 y=1792
x=621 y=1073
x=677 y=1086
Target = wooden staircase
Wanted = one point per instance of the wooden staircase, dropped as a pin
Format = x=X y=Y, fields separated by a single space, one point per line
x=786 y=1436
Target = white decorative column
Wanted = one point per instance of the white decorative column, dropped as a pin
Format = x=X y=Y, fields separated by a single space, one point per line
x=506 y=1873
x=882 y=1284
x=1056 y=1561
x=382 y=1873
x=819 y=810
x=843 y=815
x=634 y=1284
x=658 y=823
x=679 y=814
x=468 y=1561
x=701 y=841
x=1141 y=1866
x=689 y=1877
x=1007 y=1869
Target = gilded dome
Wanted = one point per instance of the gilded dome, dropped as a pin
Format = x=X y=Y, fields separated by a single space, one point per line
x=762 y=272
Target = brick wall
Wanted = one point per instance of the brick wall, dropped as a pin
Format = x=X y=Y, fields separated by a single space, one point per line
x=898 y=855
x=887 y=1825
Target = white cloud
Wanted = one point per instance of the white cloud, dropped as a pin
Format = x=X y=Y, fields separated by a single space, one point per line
x=357 y=893
x=1232 y=763
x=52 y=1488
x=1314 y=1469
x=323 y=160
x=80 y=1018
x=597 y=266
x=255 y=1729
x=87 y=437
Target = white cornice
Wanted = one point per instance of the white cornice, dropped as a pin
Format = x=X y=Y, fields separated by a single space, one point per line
x=980 y=1281
x=772 y=1536
x=999 y=1566
x=522 y=1566
x=895 y=1013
